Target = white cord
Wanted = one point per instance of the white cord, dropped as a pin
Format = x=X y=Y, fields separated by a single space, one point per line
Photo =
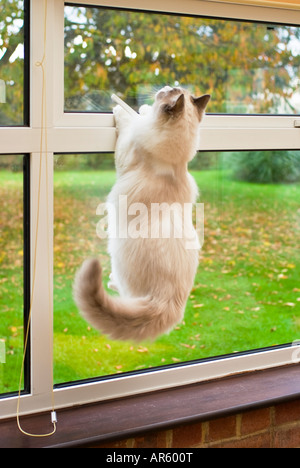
x=43 y=129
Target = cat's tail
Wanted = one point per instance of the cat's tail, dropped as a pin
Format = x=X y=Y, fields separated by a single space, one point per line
x=121 y=318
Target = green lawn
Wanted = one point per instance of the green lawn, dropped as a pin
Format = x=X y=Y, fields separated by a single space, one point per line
x=246 y=292
x=11 y=277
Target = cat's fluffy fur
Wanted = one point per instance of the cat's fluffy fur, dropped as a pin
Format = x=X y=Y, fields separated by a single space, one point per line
x=153 y=276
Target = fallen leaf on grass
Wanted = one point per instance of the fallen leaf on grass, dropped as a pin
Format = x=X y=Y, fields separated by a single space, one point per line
x=282 y=276
x=142 y=349
x=188 y=346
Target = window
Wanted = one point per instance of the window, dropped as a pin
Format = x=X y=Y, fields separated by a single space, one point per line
x=135 y=53
x=248 y=280
x=246 y=289
x=81 y=183
x=13 y=66
x=13 y=276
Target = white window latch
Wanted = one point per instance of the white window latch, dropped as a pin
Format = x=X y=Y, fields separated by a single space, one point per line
x=297 y=123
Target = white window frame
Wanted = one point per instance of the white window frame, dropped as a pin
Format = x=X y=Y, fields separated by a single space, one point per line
x=96 y=133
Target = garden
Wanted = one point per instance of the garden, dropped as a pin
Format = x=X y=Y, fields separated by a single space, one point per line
x=247 y=290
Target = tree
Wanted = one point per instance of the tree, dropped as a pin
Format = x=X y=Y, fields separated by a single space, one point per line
x=11 y=62
x=267 y=167
x=247 y=67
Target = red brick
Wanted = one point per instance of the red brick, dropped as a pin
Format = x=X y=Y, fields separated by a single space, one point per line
x=223 y=428
x=152 y=440
x=187 y=436
x=255 y=441
x=287 y=437
x=287 y=412
x=255 y=421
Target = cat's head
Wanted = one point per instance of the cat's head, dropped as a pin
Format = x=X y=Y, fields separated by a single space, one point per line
x=169 y=130
x=173 y=103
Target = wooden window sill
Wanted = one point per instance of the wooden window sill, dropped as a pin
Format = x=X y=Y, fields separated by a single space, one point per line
x=135 y=415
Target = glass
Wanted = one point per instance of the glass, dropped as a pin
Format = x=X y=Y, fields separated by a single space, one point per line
x=246 y=293
x=13 y=95
x=12 y=278
x=248 y=68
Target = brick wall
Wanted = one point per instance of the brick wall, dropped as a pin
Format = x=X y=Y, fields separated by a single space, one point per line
x=274 y=427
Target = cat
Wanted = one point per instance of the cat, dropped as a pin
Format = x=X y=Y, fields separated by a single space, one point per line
x=153 y=276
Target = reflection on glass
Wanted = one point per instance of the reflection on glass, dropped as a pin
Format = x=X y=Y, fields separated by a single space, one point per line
x=11 y=271
x=246 y=292
x=248 y=68
x=11 y=62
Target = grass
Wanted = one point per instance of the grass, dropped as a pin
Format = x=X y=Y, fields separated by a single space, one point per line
x=11 y=277
x=246 y=292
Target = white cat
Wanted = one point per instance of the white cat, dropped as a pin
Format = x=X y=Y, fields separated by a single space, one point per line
x=153 y=274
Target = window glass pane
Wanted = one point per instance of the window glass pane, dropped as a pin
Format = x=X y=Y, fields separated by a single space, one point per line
x=248 y=68
x=246 y=293
x=12 y=75
x=11 y=271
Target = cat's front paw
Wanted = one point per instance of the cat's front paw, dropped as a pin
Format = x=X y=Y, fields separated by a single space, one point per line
x=118 y=110
x=144 y=109
x=120 y=113
x=122 y=118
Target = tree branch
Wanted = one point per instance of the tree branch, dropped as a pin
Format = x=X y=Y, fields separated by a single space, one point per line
x=14 y=41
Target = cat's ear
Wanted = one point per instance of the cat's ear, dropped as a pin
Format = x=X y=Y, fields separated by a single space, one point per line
x=175 y=108
x=201 y=103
